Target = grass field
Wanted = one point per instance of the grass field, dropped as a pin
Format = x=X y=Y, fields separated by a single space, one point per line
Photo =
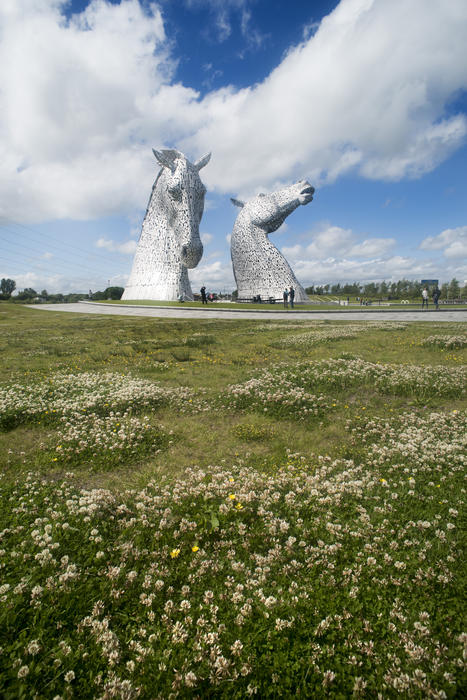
x=215 y=508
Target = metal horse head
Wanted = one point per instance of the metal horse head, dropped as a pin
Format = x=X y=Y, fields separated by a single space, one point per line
x=269 y=211
x=258 y=266
x=184 y=202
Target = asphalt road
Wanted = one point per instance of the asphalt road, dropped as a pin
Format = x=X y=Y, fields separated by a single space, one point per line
x=181 y=312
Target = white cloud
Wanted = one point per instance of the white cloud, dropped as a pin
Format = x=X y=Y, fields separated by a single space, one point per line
x=84 y=100
x=452 y=241
x=393 y=268
x=366 y=92
x=336 y=242
x=126 y=248
x=221 y=11
x=338 y=255
x=216 y=276
x=64 y=284
x=372 y=247
x=206 y=238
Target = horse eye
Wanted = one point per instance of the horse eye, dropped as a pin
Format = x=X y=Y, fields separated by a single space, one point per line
x=176 y=190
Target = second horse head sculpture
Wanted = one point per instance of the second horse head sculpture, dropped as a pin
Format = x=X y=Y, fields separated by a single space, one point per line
x=170 y=241
x=259 y=268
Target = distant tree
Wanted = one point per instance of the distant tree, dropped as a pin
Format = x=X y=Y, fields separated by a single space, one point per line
x=383 y=289
x=235 y=295
x=114 y=292
x=351 y=289
x=56 y=298
x=336 y=288
x=72 y=298
x=28 y=293
x=326 y=288
x=44 y=294
x=310 y=290
x=454 y=289
x=445 y=290
x=99 y=296
x=370 y=290
x=464 y=292
x=7 y=287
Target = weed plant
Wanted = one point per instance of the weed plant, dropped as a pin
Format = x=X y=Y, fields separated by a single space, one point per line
x=163 y=535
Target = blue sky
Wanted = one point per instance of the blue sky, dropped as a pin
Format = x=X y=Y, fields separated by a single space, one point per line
x=367 y=99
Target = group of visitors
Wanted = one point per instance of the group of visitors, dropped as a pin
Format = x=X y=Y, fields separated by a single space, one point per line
x=288 y=296
x=435 y=296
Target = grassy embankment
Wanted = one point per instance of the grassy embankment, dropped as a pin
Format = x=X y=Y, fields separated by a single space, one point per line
x=314 y=545
x=317 y=302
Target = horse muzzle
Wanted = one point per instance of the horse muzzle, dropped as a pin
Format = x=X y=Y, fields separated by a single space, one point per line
x=191 y=254
x=306 y=193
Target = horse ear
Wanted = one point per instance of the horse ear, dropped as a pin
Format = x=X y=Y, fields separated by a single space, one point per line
x=237 y=202
x=202 y=161
x=163 y=160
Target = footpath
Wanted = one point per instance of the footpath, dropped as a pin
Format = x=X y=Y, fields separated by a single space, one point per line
x=339 y=314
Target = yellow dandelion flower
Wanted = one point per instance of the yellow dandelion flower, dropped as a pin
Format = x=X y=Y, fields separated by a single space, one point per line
x=238 y=506
x=195 y=548
x=232 y=496
x=174 y=553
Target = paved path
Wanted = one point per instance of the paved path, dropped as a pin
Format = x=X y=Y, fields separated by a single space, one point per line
x=238 y=314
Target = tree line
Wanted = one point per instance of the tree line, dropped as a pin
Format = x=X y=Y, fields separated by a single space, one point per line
x=8 y=286
x=402 y=289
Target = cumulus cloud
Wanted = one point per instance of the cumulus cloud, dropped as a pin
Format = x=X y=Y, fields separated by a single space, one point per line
x=81 y=99
x=126 y=248
x=336 y=255
x=215 y=275
x=334 y=241
x=84 y=99
x=367 y=92
x=452 y=241
x=393 y=268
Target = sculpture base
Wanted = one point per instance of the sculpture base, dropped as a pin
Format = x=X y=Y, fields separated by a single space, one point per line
x=153 y=293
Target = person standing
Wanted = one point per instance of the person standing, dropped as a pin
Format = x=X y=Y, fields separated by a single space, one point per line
x=425 y=299
x=203 y=295
x=436 y=296
x=291 y=296
x=285 y=296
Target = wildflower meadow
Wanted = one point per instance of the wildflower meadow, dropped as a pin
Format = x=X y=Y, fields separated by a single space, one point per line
x=226 y=509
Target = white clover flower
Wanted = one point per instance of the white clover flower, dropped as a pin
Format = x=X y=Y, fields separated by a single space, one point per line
x=33 y=647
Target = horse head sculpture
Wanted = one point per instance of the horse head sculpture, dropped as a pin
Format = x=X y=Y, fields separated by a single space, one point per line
x=259 y=268
x=170 y=241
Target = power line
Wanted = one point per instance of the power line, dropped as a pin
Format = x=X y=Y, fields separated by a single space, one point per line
x=62 y=261
x=41 y=235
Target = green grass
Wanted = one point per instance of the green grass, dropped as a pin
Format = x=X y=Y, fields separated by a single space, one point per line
x=162 y=532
